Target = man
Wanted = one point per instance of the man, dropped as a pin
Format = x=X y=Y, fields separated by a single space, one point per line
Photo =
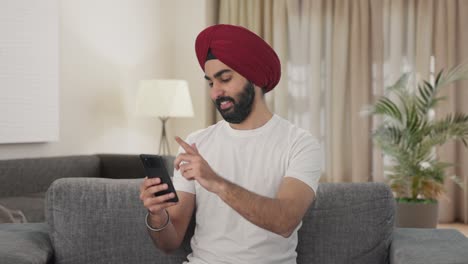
x=251 y=177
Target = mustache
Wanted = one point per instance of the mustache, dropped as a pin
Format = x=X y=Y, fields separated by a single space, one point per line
x=222 y=99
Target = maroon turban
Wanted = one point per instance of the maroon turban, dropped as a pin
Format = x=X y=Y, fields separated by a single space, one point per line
x=241 y=50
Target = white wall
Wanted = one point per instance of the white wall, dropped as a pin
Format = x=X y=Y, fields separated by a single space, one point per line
x=106 y=47
x=187 y=67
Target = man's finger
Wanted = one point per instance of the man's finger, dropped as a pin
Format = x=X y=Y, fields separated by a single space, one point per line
x=151 y=181
x=185 y=145
x=194 y=147
x=189 y=175
x=183 y=167
x=182 y=157
x=148 y=182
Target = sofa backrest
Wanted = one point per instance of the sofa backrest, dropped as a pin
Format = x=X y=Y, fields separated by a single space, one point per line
x=25 y=181
x=34 y=175
x=102 y=221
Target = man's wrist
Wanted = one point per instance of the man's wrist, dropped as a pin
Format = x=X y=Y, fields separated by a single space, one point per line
x=157 y=219
x=156 y=227
x=221 y=186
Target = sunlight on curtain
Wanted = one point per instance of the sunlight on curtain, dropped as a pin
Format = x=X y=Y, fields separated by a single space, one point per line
x=330 y=79
x=425 y=37
x=338 y=55
x=342 y=55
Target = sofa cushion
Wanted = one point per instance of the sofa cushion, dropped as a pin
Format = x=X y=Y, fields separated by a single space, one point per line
x=31 y=205
x=25 y=243
x=97 y=220
x=423 y=245
x=348 y=223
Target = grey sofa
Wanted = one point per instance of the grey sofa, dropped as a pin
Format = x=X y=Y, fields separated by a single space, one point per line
x=25 y=181
x=100 y=220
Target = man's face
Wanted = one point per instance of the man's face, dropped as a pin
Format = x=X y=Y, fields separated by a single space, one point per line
x=232 y=94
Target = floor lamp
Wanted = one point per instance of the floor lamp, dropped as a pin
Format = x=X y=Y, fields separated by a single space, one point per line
x=164 y=99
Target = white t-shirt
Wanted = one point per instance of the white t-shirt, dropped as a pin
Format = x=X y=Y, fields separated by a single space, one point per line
x=256 y=160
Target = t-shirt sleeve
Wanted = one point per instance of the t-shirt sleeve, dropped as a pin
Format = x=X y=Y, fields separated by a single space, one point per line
x=305 y=160
x=179 y=182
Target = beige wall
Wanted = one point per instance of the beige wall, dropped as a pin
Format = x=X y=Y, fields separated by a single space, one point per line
x=105 y=48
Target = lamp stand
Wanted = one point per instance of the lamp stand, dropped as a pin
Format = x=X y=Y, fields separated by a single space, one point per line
x=164 y=148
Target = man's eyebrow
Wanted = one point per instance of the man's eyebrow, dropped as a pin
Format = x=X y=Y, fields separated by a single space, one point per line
x=218 y=74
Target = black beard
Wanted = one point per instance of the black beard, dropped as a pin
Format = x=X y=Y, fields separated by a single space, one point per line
x=239 y=111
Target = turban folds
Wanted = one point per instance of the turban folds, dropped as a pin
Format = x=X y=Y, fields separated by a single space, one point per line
x=241 y=50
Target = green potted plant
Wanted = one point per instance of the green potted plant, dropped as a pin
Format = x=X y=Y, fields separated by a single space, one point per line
x=408 y=135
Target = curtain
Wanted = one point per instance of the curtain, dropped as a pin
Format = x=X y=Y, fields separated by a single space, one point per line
x=268 y=19
x=338 y=55
x=330 y=80
x=450 y=40
x=314 y=42
x=425 y=37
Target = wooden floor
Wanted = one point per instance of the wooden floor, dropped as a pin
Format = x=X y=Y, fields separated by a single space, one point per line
x=459 y=226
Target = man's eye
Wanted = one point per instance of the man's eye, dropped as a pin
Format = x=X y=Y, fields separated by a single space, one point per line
x=210 y=84
x=226 y=80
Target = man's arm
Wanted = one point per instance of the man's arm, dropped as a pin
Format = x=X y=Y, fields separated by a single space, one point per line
x=280 y=215
x=180 y=214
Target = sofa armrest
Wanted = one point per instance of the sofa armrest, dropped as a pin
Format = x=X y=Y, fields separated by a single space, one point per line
x=428 y=246
x=25 y=243
x=97 y=220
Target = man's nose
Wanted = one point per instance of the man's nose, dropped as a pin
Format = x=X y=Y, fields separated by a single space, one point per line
x=216 y=91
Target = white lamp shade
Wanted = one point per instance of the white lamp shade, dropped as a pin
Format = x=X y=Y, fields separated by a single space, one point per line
x=164 y=98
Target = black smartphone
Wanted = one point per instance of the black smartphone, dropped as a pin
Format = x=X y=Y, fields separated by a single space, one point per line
x=155 y=167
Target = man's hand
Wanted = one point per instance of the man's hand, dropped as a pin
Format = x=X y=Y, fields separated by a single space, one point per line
x=193 y=166
x=155 y=204
x=180 y=214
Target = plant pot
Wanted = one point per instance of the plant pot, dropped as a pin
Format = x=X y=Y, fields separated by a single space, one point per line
x=416 y=215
